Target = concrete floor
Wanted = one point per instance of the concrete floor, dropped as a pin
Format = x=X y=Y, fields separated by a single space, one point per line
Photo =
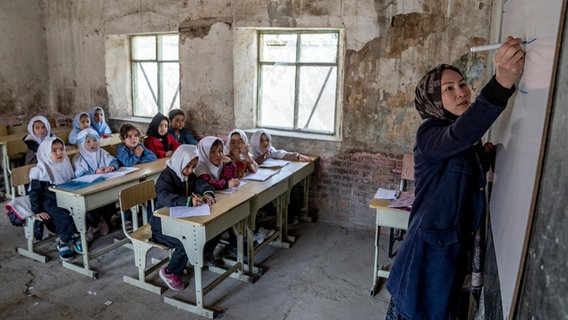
x=327 y=274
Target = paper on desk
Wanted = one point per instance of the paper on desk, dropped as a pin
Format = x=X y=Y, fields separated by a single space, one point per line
x=261 y=174
x=404 y=201
x=183 y=212
x=271 y=163
x=233 y=190
x=386 y=194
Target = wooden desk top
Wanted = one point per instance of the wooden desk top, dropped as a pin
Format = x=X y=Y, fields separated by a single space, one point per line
x=297 y=165
x=383 y=204
x=225 y=202
x=257 y=187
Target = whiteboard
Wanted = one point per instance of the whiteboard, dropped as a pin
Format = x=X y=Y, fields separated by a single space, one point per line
x=519 y=133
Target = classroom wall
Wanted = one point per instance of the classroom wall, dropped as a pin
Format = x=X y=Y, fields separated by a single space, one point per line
x=23 y=56
x=389 y=46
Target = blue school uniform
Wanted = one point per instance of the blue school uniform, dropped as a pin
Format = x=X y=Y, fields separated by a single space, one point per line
x=128 y=158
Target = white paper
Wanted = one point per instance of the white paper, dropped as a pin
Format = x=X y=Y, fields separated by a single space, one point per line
x=270 y=163
x=261 y=174
x=182 y=212
x=232 y=190
x=386 y=194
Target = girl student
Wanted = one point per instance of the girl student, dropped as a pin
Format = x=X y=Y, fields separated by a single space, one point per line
x=159 y=140
x=262 y=149
x=92 y=159
x=53 y=167
x=178 y=129
x=81 y=121
x=131 y=151
x=98 y=122
x=175 y=187
x=38 y=129
x=237 y=148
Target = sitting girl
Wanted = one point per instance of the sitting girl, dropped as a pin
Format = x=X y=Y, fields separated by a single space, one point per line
x=262 y=149
x=53 y=167
x=98 y=122
x=80 y=122
x=159 y=140
x=131 y=151
x=91 y=159
x=38 y=129
x=175 y=187
x=237 y=149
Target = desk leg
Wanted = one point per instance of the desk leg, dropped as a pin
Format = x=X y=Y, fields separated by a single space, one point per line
x=6 y=171
x=78 y=213
x=307 y=182
x=376 y=266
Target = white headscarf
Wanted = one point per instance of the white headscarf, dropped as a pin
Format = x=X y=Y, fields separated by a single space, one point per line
x=31 y=129
x=90 y=160
x=227 y=148
x=205 y=166
x=181 y=157
x=48 y=170
x=101 y=127
x=257 y=151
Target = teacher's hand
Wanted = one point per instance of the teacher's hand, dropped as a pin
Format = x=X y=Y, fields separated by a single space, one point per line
x=509 y=62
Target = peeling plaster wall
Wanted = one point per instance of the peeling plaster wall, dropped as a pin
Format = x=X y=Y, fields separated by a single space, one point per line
x=389 y=46
x=23 y=71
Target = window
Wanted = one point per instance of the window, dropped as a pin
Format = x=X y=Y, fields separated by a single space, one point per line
x=297 y=80
x=155 y=74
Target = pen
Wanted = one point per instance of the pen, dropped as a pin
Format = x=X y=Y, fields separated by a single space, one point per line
x=494 y=46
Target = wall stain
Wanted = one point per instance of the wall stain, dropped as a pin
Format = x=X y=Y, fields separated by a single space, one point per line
x=200 y=28
x=280 y=13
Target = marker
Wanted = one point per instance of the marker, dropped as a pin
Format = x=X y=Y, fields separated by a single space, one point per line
x=494 y=46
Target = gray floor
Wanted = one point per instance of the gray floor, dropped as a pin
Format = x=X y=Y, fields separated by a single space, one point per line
x=327 y=274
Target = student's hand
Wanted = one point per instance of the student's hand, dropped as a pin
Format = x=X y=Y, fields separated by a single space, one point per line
x=169 y=153
x=138 y=150
x=42 y=216
x=233 y=183
x=196 y=201
x=225 y=159
x=303 y=158
x=209 y=199
x=509 y=62
x=109 y=169
x=100 y=170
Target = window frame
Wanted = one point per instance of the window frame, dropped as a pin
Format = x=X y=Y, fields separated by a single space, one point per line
x=134 y=63
x=335 y=133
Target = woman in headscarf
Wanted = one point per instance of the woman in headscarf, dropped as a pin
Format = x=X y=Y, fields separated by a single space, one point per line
x=434 y=260
x=159 y=140
x=175 y=187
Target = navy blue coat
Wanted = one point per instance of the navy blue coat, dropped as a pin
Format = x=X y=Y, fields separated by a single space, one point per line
x=428 y=271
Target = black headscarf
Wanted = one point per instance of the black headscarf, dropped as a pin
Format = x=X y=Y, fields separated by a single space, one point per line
x=154 y=132
x=428 y=100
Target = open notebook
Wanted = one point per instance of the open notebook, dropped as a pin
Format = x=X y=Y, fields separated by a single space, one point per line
x=89 y=179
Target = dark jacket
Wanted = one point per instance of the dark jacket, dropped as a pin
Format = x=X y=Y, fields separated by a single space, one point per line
x=184 y=136
x=172 y=192
x=429 y=268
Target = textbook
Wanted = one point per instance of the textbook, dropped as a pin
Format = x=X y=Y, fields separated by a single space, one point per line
x=262 y=174
x=89 y=179
x=386 y=194
x=404 y=201
x=272 y=163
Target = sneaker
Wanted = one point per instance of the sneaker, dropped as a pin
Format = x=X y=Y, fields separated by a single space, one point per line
x=38 y=230
x=103 y=227
x=173 y=281
x=65 y=251
x=91 y=234
x=76 y=241
x=211 y=261
x=263 y=234
x=128 y=226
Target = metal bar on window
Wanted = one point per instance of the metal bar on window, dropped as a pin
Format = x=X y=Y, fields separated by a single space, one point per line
x=318 y=98
x=149 y=85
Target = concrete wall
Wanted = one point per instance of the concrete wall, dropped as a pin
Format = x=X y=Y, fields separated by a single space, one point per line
x=389 y=46
x=23 y=71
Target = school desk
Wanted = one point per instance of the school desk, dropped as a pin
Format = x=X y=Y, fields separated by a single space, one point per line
x=386 y=217
x=94 y=196
x=13 y=144
x=274 y=189
x=228 y=211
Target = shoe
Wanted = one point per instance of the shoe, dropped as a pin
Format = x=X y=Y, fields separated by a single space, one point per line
x=38 y=230
x=128 y=226
x=210 y=260
x=91 y=234
x=233 y=251
x=103 y=227
x=173 y=281
x=76 y=241
x=65 y=251
x=262 y=234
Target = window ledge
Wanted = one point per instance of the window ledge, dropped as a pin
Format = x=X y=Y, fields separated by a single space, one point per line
x=298 y=134
x=132 y=119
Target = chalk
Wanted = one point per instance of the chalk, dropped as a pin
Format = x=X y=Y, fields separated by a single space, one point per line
x=494 y=46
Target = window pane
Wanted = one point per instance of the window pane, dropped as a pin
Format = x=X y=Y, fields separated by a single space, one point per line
x=146 y=91
x=277 y=97
x=169 y=47
x=312 y=83
x=278 y=47
x=318 y=47
x=144 y=48
x=170 y=81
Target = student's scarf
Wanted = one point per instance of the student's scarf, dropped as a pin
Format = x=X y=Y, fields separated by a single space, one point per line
x=93 y=159
x=154 y=132
x=428 y=100
x=48 y=170
x=77 y=120
x=205 y=166
x=227 y=148
x=101 y=127
x=31 y=134
x=181 y=158
x=257 y=150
